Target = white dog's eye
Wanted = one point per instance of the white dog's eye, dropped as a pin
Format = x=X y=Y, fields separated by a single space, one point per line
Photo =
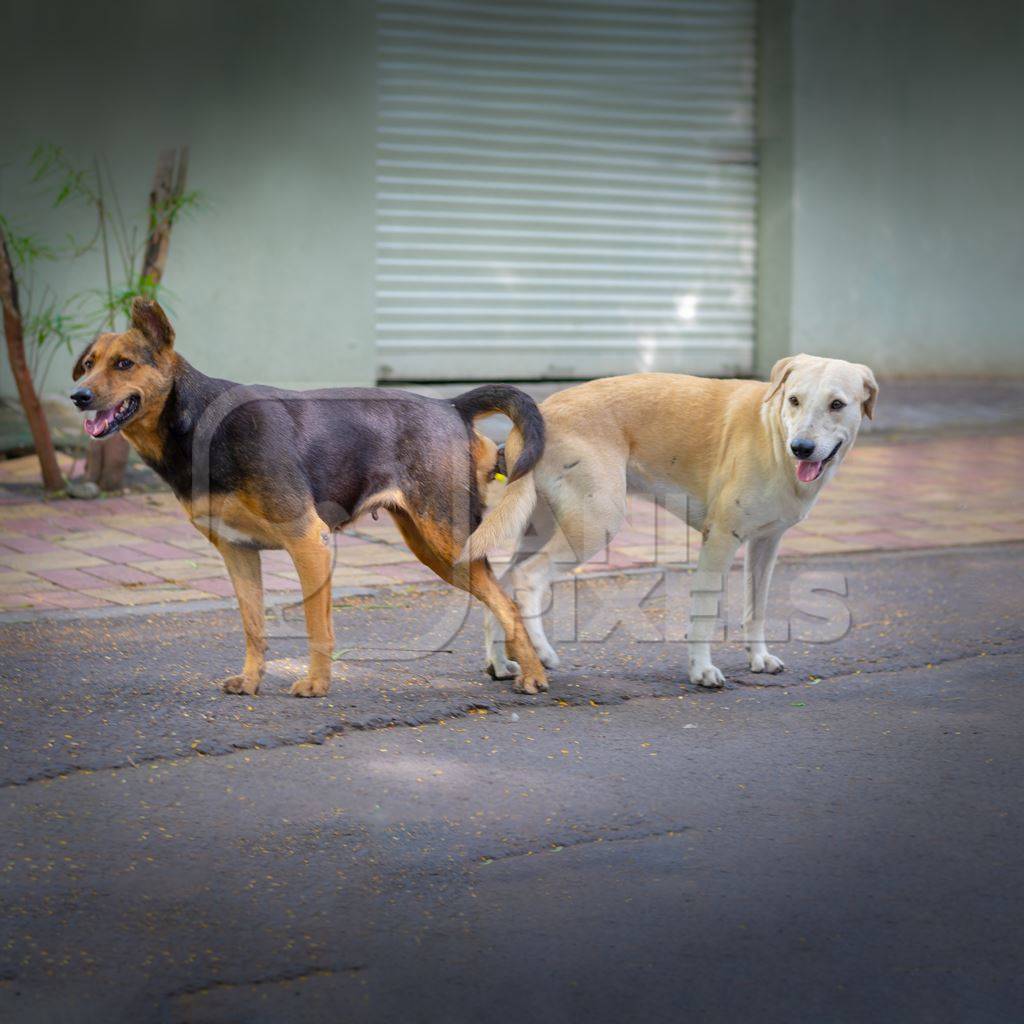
x=837 y=405
x=794 y=401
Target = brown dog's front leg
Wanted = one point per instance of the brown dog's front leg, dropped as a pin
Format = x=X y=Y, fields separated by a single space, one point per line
x=247 y=578
x=311 y=554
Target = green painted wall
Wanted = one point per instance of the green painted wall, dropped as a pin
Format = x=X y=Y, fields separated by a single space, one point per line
x=891 y=223
x=892 y=216
x=275 y=279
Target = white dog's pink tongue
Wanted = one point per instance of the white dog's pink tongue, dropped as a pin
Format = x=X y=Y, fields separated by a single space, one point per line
x=808 y=471
x=99 y=423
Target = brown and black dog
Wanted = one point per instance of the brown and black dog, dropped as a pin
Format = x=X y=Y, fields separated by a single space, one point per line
x=257 y=467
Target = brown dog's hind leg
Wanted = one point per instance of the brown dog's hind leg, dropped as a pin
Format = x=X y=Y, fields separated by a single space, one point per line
x=247 y=578
x=486 y=588
x=434 y=545
x=311 y=553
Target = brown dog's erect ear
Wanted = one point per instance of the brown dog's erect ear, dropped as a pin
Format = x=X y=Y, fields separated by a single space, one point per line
x=870 y=391
x=79 y=368
x=780 y=371
x=151 y=320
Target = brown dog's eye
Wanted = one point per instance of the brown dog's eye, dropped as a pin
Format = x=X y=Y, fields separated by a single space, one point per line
x=87 y=365
x=794 y=401
x=837 y=405
x=124 y=364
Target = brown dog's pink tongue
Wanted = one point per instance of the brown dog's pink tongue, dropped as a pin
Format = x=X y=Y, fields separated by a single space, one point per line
x=100 y=423
x=807 y=471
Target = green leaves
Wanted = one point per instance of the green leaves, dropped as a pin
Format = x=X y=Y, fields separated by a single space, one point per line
x=56 y=323
x=52 y=168
x=25 y=249
x=117 y=302
x=170 y=208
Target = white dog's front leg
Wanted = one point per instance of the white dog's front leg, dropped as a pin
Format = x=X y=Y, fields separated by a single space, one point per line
x=499 y=665
x=706 y=598
x=759 y=563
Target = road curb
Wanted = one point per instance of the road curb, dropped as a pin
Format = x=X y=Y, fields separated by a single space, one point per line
x=30 y=615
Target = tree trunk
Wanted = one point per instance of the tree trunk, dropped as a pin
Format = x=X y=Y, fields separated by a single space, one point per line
x=107 y=460
x=168 y=188
x=53 y=479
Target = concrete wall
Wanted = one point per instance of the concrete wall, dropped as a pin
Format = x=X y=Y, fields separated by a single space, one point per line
x=891 y=223
x=274 y=280
x=892 y=220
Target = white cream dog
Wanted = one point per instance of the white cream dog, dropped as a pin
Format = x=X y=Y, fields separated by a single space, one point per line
x=749 y=458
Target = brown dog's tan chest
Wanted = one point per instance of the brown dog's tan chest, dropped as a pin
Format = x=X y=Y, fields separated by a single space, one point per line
x=238 y=518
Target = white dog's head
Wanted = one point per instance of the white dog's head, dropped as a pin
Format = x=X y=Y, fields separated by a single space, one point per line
x=821 y=402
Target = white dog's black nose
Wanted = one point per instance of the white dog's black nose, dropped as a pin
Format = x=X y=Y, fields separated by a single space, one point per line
x=802 y=449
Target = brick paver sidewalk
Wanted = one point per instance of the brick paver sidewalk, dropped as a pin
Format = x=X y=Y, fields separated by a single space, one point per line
x=140 y=550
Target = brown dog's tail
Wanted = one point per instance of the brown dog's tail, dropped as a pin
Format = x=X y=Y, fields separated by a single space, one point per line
x=519 y=407
x=511 y=514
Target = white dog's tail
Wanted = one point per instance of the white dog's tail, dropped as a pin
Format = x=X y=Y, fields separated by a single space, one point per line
x=508 y=519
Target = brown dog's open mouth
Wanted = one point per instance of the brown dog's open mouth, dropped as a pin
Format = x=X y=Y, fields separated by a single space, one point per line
x=106 y=421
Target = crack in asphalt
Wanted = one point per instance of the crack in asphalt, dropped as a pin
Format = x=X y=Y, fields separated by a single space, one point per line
x=220 y=985
x=498 y=705
x=617 y=836
x=1011 y=646
x=315 y=738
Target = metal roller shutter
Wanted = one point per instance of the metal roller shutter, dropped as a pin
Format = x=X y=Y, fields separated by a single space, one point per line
x=565 y=189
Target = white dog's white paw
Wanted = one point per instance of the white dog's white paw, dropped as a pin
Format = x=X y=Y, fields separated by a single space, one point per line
x=503 y=669
x=766 y=663
x=707 y=676
x=547 y=656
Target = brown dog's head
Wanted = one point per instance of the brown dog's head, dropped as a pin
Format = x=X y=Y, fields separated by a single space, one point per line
x=126 y=377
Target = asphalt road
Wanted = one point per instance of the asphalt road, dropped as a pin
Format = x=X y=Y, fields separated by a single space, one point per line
x=838 y=843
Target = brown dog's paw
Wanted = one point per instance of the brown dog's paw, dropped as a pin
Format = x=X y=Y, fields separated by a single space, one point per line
x=531 y=684
x=239 y=684
x=308 y=687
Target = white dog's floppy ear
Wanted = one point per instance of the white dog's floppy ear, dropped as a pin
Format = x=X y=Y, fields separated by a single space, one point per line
x=871 y=391
x=780 y=371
